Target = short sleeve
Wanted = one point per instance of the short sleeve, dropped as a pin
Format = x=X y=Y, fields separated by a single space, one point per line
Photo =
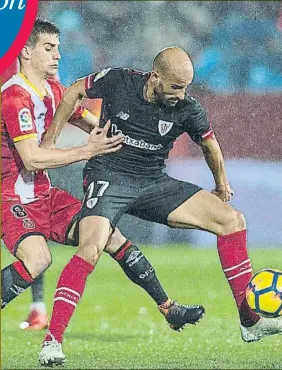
x=18 y=115
x=196 y=123
x=98 y=85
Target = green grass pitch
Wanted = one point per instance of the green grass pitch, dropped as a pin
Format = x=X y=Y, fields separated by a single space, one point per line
x=117 y=325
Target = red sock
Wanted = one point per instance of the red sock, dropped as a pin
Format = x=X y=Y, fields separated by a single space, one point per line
x=236 y=265
x=69 y=290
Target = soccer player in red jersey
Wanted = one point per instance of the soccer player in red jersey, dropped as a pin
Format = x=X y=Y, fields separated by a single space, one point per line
x=151 y=110
x=37 y=318
x=32 y=210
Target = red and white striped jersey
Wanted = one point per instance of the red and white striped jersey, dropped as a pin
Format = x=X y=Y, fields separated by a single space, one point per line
x=26 y=113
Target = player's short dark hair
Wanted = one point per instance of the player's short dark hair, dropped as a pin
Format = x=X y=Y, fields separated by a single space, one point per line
x=42 y=26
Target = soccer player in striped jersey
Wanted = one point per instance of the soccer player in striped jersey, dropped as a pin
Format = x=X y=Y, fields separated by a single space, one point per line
x=33 y=210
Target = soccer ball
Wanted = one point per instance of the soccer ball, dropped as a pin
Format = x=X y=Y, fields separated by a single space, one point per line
x=264 y=293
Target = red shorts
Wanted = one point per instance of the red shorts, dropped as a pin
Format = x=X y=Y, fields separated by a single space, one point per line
x=49 y=217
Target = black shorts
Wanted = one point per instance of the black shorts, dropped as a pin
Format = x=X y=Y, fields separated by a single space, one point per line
x=111 y=194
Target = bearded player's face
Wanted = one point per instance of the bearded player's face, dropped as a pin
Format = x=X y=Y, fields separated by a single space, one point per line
x=45 y=55
x=170 y=90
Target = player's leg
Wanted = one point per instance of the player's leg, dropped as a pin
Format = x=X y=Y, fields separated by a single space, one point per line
x=135 y=265
x=184 y=205
x=37 y=318
x=33 y=258
x=140 y=271
x=94 y=232
x=206 y=212
x=93 y=236
x=37 y=291
x=24 y=237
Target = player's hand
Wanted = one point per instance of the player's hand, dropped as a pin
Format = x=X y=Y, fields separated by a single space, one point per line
x=99 y=143
x=223 y=192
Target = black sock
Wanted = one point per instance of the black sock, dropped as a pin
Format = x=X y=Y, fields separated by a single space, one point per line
x=15 y=279
x=37 y=289
x=139 y=270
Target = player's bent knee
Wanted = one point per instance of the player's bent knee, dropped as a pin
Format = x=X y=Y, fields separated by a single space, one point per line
x=33 y=251
x=91 y=245
x=90 y=253
x=234 y=222
x=116 y=240
x=37 y=263
x=242 y=223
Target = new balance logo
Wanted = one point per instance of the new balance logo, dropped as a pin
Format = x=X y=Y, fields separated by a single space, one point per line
x=123 y=115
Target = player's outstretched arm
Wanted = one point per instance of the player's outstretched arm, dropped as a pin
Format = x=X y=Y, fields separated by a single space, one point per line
x=36 y=158
x=66 y=108
x=214 y=158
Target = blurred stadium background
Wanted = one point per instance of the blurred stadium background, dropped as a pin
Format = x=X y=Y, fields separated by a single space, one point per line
x=236 y=47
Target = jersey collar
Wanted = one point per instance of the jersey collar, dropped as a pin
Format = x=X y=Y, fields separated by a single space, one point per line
x=34 y=88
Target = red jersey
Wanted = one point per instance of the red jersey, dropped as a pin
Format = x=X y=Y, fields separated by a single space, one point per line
x=26 y=114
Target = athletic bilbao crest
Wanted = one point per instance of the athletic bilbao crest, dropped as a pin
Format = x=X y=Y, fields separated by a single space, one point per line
x=17 y=18
x=164 y=127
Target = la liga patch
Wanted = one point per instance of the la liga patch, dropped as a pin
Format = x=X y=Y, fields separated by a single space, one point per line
x=25 y=120
x=17 y=18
